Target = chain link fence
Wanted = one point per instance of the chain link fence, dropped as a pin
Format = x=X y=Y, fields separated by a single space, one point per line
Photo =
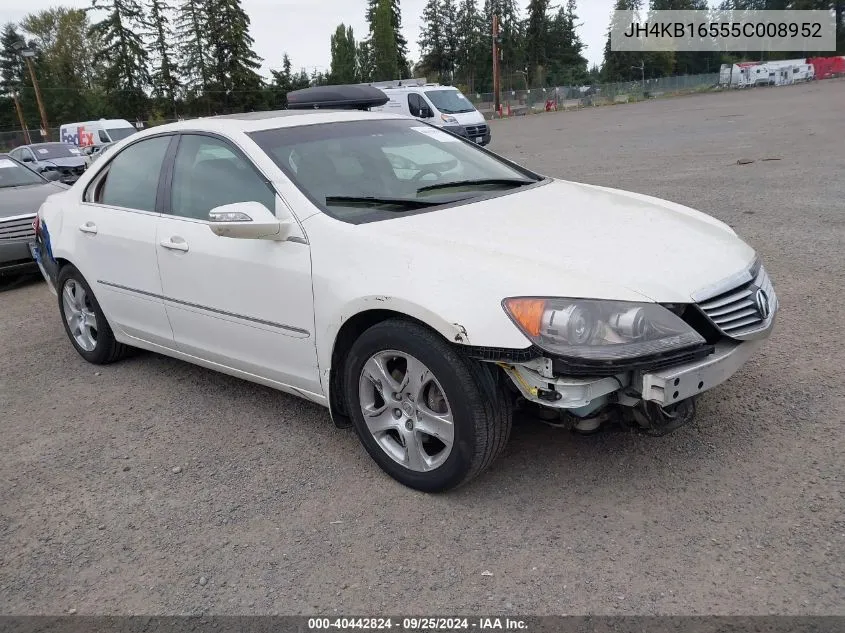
x=514 y=102
x=517 y=102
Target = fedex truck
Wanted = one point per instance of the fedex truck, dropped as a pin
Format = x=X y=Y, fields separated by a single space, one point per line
x=100 y=132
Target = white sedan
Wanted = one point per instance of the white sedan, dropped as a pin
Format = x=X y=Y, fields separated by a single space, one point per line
x=417 y=285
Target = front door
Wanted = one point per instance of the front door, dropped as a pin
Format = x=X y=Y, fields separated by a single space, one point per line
x=115 y=229
x=245 y=304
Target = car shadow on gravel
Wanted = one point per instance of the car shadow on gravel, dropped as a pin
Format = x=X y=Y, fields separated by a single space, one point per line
x=547 y=463
x=20 y=281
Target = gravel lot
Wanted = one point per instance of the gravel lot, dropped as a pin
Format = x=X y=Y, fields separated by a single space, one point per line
x=276 y=511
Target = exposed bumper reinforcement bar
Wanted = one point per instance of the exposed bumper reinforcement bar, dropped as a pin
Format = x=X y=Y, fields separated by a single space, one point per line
x=674 y=384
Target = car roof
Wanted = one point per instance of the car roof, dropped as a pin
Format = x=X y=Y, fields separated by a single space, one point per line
x=42 y=144
x=423 y=88
x=121 y=122
x=257 y=121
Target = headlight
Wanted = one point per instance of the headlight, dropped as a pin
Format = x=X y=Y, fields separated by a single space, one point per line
x=600 y=330
x=448 y=119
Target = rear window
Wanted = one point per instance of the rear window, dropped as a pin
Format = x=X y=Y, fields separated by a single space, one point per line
x=13 y=174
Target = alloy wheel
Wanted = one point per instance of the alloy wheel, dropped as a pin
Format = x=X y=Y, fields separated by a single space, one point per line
x=79 y=314
x=406 y=410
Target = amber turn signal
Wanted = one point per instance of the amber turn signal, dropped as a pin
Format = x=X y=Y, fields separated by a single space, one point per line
x=528 y=313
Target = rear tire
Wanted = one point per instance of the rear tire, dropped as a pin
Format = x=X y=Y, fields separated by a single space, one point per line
x=85 y=324
x=439 y=390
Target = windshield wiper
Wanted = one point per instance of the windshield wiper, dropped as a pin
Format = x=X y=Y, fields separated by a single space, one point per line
x=408 y=203
x=516 y=182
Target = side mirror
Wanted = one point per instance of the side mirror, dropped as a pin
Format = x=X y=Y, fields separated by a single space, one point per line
x=248 y=221
x=425 y=112
x=26 y=158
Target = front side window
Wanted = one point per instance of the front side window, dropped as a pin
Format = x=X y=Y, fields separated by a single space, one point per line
x=360 y=171
x=209 y=173
x=119 y=133
x=415 y=104
x=133 y=175
x=104 y=138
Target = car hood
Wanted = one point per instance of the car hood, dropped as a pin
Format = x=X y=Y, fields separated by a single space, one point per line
x=68 y=161
x=569 y=239
x=25 y=199
x=469 y=118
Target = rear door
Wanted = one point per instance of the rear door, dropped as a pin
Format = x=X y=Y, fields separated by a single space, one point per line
x=242 y=303
x=114 y=230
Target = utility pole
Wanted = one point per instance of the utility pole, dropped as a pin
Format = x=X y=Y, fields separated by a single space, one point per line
x=496 y=82
x=28 y=54
x=641 y=68
x=21 y=119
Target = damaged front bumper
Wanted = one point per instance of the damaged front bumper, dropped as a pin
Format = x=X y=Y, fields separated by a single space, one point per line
x=674 y=384
x=537 y=383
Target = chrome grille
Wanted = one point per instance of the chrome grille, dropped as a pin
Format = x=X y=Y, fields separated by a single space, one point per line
x=744 y=308
x=17 y=228
x=475 y=130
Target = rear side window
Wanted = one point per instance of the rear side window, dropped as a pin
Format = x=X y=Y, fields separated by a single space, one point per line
x=132 y=178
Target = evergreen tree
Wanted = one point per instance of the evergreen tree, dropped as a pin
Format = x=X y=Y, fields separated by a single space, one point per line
x=401 y=43
x=472 y=48
x=318 y=78
x=235 y=83
x=385 y=61
x=364 y=61
x=344 y=52
x=164 y=78
x=122 y=55
x=435 y=53
x=692 y=62
x=618 y=65
x=280 y=84
x=537 y=34
x=567 y=66
x=451 y=36
x=193 y=48
x=11 y=64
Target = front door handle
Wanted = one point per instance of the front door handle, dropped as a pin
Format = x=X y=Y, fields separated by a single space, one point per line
x=89 y=227
x=175 y=243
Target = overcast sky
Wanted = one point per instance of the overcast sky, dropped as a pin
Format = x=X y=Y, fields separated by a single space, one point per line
x=302 y=27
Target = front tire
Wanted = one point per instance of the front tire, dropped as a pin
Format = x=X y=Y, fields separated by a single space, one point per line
x=430 y=417
x=85 y=324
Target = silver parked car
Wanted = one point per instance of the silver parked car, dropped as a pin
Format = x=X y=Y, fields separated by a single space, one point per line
x=64 y=158
x=22 y=190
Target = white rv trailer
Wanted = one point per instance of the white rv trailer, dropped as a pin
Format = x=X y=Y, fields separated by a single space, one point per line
x=735 y=76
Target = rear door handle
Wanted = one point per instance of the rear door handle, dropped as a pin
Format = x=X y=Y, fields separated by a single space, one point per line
x=89 y=227
x=175 y=243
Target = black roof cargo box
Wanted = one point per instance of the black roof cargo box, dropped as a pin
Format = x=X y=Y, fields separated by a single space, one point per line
x=349 y=97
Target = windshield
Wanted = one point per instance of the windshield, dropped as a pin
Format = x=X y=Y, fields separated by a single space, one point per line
x=449 y=101
x=120 y=133
x=368 y=170
x=54 y=150
x=14 y=174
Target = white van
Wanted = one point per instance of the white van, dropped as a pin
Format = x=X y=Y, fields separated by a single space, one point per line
x=99 y=132
x=443 y=106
